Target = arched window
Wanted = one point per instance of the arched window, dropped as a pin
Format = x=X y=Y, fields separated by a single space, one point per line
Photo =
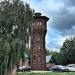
x=40 y=23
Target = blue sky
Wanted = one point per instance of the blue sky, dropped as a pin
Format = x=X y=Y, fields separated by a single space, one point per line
x=62 y=20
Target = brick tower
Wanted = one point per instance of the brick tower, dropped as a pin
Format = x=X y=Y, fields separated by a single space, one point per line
x=38 y=52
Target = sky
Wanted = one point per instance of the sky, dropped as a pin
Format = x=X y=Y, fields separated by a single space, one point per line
x=62 y=20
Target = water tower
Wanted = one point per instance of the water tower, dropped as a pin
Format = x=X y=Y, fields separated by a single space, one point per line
x=38 y=51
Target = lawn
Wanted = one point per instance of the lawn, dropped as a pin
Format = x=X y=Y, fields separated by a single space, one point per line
x=49 y=73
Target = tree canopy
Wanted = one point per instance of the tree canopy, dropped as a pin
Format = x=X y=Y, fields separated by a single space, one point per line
x=68 y=51
x=66 y=54
x=15 y=28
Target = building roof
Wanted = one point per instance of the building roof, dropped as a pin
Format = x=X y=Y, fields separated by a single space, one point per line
x=38 y=15
x=48 y=58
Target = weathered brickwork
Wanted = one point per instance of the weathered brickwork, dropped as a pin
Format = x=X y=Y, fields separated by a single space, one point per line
x=38 y=52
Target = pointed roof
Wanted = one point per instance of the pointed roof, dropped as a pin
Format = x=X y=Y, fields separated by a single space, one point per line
x=48 y=58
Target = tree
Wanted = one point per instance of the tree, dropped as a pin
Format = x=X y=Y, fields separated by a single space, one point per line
x=47 y=52
x=68 y=51
x=27 y=51
x=15 y=28
x=56 y=56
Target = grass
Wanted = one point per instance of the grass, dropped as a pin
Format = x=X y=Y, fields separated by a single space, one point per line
x=49 y=73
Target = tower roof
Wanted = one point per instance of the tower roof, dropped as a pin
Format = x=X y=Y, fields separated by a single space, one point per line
x=38 y=15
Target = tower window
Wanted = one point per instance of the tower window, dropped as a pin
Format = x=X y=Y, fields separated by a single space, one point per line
x=33 y=23
x=38 y=46
x=39 y=23
x=34 y=57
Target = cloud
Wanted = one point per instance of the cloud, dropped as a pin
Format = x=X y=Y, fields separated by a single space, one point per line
x=64 y=20
x=69 y=2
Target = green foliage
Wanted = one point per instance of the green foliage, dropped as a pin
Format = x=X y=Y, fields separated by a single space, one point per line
x=15 y=27
x=68 y=51
x=57 y=57
x=66 y=54
x=27 y=51
x=47 y=52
